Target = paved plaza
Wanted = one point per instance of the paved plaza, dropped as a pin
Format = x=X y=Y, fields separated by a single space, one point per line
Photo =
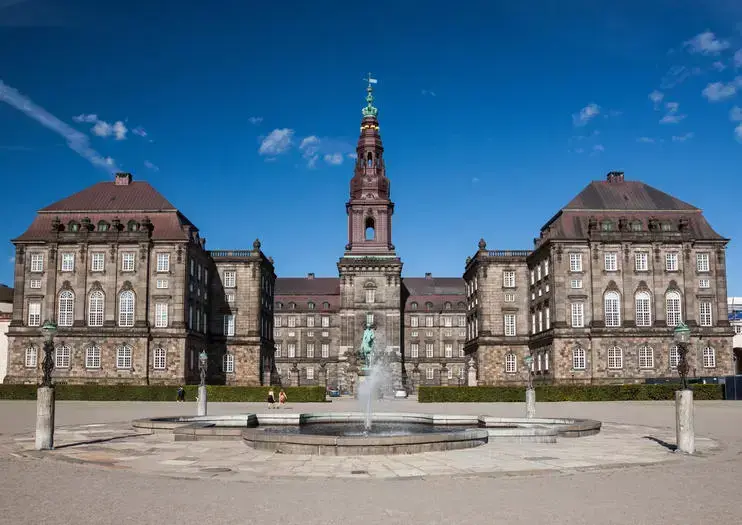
x=103 y=472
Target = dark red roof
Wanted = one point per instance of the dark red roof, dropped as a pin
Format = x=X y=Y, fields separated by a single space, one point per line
x=108 y=196
x=307 y=286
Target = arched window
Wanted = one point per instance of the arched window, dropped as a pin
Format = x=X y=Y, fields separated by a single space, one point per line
x=62 y=356
x=579 y=362
x=279 y=305
x=643 y=309
x=160 y=361
x=447 y=306
x=674 y=356
x=32 y=357
x=325 y=305
x=646 y=357
x=92 y=357
x=709 y=357
x=612 y=309
x=310 y=305
x=413 y=305
x=123 y=357
x=673 y=312
x=428 y=306
x=511 y=363
x=229 y=363
x=370 y=232
x=102 y=226
x=615 y=358
x=369 y=160
x=95 y=308
x=66 y=311
x=292 y=306
x=132 y=226
x=126 y=308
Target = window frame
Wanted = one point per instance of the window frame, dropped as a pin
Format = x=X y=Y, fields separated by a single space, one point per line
x=62 y=356
x=159 y=359
x=92 y=357
x=646 y=357
x=124 y=355
x=579 y=358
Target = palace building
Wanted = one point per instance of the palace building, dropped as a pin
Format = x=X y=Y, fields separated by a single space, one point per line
x=137 y=296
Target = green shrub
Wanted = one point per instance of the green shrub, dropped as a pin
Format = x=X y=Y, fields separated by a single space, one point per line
x=216 y=393
x=500 y=394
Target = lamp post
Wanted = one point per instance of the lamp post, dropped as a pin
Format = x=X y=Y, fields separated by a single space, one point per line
x=684 y=425
x=530 y=392
x=203 y=363
x=45 y=398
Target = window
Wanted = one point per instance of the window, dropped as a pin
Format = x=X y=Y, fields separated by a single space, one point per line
x=291 y=350
x=37 y=262
x=578 y=359
x=548 y=317
x=540 y=320
x=448 y=322
x=448 y=350
x=370 y=295
x=709 y=358
x=230 y=279
x=538 y=272
x=193 y=267
x=533 y=322
x=533 y=277
x=702 y=283
x=161 y=312
x=509 y=297
x=414 y=350
x=429 y=321
x=702 y=262
x=578 y=315
x=646 y=357
x=611 y=261
x=575 y=283
x=511 y=363
x=704 y=309
x=325 y=321
x=310 y=305
x=641 y=261
x=229 y=363
x=508 y=279
x=509 y=320
x=612 y=309
x=575 y=262
x=66 y=311
x=546 y=267
x=92 y=357
x=127 y=262
x=32 y=356
x=671 y=262
x=674 y=356
x=643 y=309
x=325 y=350
x=292 y=322
x=97 y=261
x=34 y=313
x=163 y=262
x=414 y=306
x=673 y=314
x=369 y=319
x=62 y=357
x=35 y=284
x=229 y=297
x=160 y=361
x=461 y=321
x=414 y=321
x=310 y=350
x=229 y=325
x=96 y=305
x=162 y=284
x=615 y=358
x=278 y=350
x=310 y=373
x=429 y=374
x=123 y=357
x=428 y=349
x=126 y=308
x=310 y=321
x=68 y=262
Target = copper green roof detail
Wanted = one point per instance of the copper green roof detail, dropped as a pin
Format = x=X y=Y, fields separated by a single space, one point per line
x=370 y=110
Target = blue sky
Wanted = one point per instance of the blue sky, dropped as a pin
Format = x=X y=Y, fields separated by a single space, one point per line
x=493 y=114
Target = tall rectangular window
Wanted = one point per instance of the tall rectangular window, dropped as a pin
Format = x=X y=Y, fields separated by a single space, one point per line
x=325 y=350
x=641 y=261
x=508 y=279
x=643 y=309
x=34 y=313
x=160 y=361
x=161 y=315
x=229 y=324
x=97 y=261
x=68 y=262
x=414 y=351
x=123 y=357
x=447 y=322
x=92 y=357
x=448 y=350
x=540 y=320
x=370 y=295
x=291 y=350
x=163 y=262
x=62 y=357
x=369 y=319
x=611 y=261
x=429 y=321
x=428 y=349
x=578 y=315
x=704 y=308
x=310 y=350
x=414 y=321
x=509 y=321
x=325 y=321
x=37 y=262
x=310 y=321
x=612 y=302
x=548 y=317
x=127 y=262
x=671 y=262
x=230 y=279
x=575 y=262
x=702 y=262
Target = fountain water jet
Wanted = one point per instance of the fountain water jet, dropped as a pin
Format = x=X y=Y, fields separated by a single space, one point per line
x=373 y=370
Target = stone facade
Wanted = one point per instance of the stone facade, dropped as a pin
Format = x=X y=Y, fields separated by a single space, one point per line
x=6 y=312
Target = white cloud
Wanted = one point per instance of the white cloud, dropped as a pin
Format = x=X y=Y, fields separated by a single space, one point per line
x=586 y=114
x=109 y=161
x=255 y=120
x=86 y=118
x=353 y=156
x=150 y=165
x=278 y=141
x=656 y=97
x=672 y=116
x=76 y=141
x=334 y=159
x=718 y=66
x=309 y=147
x=717 y=91
x=706 y=43
x=738 y=132
x=103 y=129
x=735 y=114
x=598 y=148
x=675 y=75
x=682 y=138
x=645 y=140
x=428 y=92
x=140 y=131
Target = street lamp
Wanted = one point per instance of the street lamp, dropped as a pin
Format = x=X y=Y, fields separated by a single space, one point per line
x=681 y=336
x=203 y=362
x=49 y=329
x=530 y=392
x=45 y=393
x=528 y=360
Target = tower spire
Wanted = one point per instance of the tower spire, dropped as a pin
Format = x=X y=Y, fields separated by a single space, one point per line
x=370 y=110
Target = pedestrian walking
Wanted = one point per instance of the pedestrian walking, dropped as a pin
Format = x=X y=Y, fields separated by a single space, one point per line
x=271 y=399
x=282 y=398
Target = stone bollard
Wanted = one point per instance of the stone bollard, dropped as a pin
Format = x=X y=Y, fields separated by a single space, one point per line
x=202 y=400
x=530 y=403
x=45 y=418
x=684 y=426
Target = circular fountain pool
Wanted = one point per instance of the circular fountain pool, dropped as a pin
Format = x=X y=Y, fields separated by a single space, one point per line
x=379 y=429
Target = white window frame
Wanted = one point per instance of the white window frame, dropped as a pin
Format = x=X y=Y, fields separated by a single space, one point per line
x=703 y=262
x=671 y=261
x=96 y=308
x=414 y=350
x=579 y=359
x=429 y=349
x=163 y=262
x=641 y=261
x=575 y=284
x=325 y=350
x=97 y=261
x=615 y=358
x=643 y=309
x=159 y=360
x=92 y=356
x=509 y=298
x=68 y=262
x=509 y=323
x=32 y=357
x=448 y=350
x=511 y=363
x=508 y=278
x=291 y=350
x=124 y=357
x=709 y=357
x=228 y=325
x=62 y=356
x=414 y=321
x=610 y=261
x=37 y=262
x=230 y=279
x=578 y=315
x=673 y=308
x=705 y=317
x=674 y=356
x=612 y=309
x=370 y=295
x=429 y=321
x=66 y=308
x=325 y=320
x=35 y=284
x=310 y=350
x=228 y=363
x=162 y=284
x=127 y=301
x=34 y=313
x=429 y=374
x=161 y=315
x=646 y=357
x=704 y=283
x=127 y=261
x=575 y=262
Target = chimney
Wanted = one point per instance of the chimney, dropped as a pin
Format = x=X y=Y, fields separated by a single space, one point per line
x=310 y=276
x=428 y=275
x=123 y=179
x=615 y=176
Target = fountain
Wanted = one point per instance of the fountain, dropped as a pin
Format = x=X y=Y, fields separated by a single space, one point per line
x=373 y=373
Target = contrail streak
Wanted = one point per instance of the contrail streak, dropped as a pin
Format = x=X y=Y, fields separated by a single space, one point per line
x=77 y=142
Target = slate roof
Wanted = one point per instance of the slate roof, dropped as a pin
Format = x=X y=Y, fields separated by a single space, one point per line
x=304 y=286
x=108 y=196
x=625 y=195
x=424 y=286
x=6 y=294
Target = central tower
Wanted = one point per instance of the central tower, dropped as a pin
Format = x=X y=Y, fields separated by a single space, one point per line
x=370 y=271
